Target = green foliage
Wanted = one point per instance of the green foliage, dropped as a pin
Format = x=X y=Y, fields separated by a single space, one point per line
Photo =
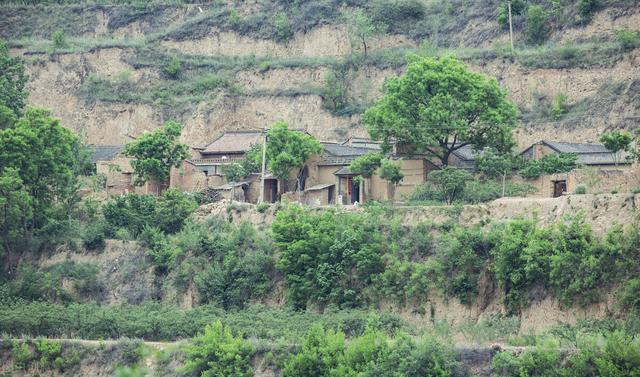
x=234 y=172
x=517 y=8
x=396 y=14
x=131 y=350
x=326 y=353
x=327 y=257
x=288 y=149
x=21 y=353
x=172 y=68
x=587 y=8
x=549 y=164
x=168 y=212
x=12 y=82
x=493 y=164
x=335 y=89
x=616 y=354
x=39 y=161
x=616 y=142
x=581 y=190
x=565 y=257
x=450 y=182
x=628 y=39
x=536 y=24
x=361 y=28
x=438 y=102
x=156 y=152
x=59 y=39
x=282 y=27
x=630 y=299
x=217 y=353
x=262 y=207
x=48 y=351
x=559 y=107
x=94 y=235
x=391 y=171
x=366 y=165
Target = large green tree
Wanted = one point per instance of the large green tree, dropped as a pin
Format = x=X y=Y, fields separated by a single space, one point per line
x=39 y=160
x=288 y=149
x=616 y=142
x=156 y=152
x=12 y=82
x=439 y=106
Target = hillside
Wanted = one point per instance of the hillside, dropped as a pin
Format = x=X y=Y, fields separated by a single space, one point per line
x=464 y=275
x=235 y=67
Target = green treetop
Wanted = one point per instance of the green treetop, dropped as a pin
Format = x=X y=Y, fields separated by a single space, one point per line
x=156 y=152
x=12 y=82
x=366 y=165
x=439 y=106
x=288 y=149
x=616 y=142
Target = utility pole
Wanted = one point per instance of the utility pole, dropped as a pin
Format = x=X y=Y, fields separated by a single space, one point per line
x=510 y=27
x=264 y=165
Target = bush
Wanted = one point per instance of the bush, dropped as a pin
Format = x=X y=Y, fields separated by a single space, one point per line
x=218 y=353
x=21 y=353
x=559 y=107
x=586 y=9
x=581 y=190
x=484 y=191
x=172 y=68
x=628 y=39
x=94 y=235
x=131 y=351
x=537 y=28
x=395 y=13
x=59 y=39
x=630 y=300
x=450 y=182
x=262 y=207
x=327 y=353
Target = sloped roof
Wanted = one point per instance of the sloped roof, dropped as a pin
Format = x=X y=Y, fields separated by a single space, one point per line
x=579 y=148
x=588 y=154
x=340 y=154
x=105 y=152
x=344 y=171
x=234 y=142
x=321 y=186
x=466 y=153
x=362 y=142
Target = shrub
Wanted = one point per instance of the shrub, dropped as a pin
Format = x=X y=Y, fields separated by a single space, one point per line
x=282 y=27
x=21 y=353
x=217 y=352
x=559 y=107
x=484 y=191
x=581 y=190
x=48 y=352
x=450 y=182
x=628 y=39
x=262 y=207
x=59 y=39
x=131 y=350
x=587 y=8
x=630 y=300
x=94 y=235
x=536 y=21
x=394 y=13
x=172 y=68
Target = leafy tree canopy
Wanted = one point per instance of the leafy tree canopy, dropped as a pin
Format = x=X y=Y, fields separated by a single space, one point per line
x=493 y=164
x=391 y=171
x=12 y=82
x=288 y=149
x=450 y=182
x=156 y=152
x=439 y=106
x=550 y=164
x=366 y=165
x=616 y=142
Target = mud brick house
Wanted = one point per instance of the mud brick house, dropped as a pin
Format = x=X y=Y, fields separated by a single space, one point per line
x=599 y=169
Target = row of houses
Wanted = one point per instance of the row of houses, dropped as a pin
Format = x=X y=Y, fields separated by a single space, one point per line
x=326 y=178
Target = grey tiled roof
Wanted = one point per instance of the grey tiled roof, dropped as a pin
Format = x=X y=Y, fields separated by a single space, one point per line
x=234 y=142
x=576 y=147
x=105 y=152
x=466 y=153
x=339 y=154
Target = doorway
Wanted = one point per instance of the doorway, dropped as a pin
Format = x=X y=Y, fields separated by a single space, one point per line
x=353 y=190
x=559 y=188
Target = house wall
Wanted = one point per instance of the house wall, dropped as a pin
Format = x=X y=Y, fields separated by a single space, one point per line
x=119 y=175
x=596 y=178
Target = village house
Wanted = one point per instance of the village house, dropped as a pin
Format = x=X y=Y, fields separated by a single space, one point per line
x=599 y=170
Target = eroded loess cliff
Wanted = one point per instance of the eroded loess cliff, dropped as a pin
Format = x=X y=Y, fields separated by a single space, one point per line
x=225 y=65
